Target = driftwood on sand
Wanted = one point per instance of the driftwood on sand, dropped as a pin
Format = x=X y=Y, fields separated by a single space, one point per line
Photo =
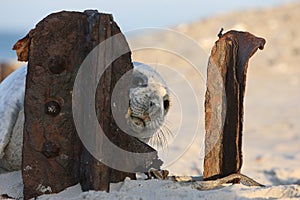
x=213 y=184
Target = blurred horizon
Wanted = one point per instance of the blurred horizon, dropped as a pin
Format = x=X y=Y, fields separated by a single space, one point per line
x=131 y=15
x=135 y=14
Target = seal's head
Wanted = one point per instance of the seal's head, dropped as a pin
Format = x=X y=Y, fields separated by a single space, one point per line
x=149 y=102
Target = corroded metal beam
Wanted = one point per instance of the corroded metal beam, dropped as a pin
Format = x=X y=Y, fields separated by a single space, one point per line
x=224 y=110
x=54 y=157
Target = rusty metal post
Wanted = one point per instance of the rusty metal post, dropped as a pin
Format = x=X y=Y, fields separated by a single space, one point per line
x=224 y=111
x=54 y=158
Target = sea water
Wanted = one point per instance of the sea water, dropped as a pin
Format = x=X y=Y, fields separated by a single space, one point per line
x=7 y=41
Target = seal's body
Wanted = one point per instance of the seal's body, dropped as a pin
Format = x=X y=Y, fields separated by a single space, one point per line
x=148 y=106
x=12 y=90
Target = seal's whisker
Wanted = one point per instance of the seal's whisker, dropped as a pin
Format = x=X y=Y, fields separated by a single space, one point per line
x=168 y=123
x=161 y=138
x=166 y=134
x=164 y=141
x=155 y=140
x=168 y=130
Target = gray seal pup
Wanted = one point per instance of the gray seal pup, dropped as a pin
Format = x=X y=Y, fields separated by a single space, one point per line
x=149 y=103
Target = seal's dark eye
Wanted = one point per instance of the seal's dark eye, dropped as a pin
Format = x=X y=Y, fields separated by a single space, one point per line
x=166 y=105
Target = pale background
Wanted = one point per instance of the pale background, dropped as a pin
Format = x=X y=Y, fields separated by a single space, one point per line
x=18 y=17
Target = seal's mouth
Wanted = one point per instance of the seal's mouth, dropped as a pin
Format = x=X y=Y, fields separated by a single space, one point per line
x=138 y=121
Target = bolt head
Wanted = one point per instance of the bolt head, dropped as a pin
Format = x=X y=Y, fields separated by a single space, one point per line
x=52 y=108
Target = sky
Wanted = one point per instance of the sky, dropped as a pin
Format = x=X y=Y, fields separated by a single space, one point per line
x=18 y=17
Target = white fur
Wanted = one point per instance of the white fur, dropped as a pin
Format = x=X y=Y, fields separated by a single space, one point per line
x=12 y=91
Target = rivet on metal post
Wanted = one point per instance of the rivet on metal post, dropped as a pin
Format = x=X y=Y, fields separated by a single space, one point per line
x=52 y=108
x=56 y=64
x=50 y=149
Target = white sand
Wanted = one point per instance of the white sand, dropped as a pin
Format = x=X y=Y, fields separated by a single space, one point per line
x=271 y=126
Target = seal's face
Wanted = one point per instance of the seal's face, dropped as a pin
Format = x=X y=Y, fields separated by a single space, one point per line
x=149 y=103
